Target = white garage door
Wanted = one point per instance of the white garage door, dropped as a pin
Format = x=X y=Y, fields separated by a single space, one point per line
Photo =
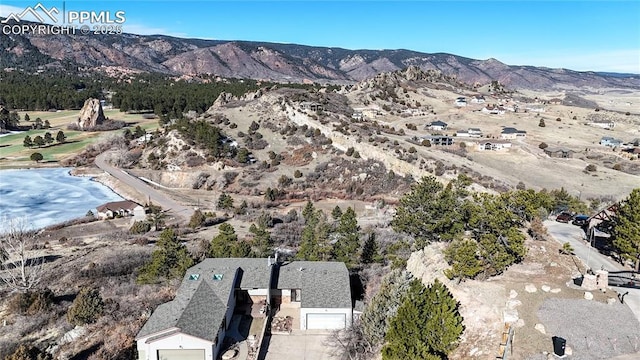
x=181 y=354
x=326 y=321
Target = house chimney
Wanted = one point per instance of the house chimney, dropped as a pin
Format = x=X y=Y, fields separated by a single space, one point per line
x=276 y=259
x=269 y=261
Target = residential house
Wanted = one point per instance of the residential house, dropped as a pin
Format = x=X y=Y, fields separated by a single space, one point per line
x=609 y=141
x=535 y=108
x=357 y=115
x=478 y=99
x=193 y=325
x=555 y=101
x=461 y=102
x=311 y=105
x=439 y=140
x=437 y=125
x=493 y=109
x=119 y=208
x=605 y=124
x=559 y=152
x=494 y=145
x=512 y=133
x=471 y=132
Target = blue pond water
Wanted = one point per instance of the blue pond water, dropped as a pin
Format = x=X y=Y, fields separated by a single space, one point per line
x=43 y=197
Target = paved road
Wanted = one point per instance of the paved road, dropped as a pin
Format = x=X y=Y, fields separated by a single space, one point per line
x=147 y=191
x=594 y=260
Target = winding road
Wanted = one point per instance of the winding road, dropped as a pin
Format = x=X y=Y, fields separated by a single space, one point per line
x=147 y=191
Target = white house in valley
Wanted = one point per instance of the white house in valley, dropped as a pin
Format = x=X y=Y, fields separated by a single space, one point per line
x=510 y=133
x=494 y=145
x=120 y=208
x=437 y=125
x=193 y=325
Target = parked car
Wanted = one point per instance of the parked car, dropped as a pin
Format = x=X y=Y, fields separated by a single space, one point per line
x=580 y=220
x=564 y=217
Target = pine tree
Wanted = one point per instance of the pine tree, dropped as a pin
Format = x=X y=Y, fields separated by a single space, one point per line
x=262 y=241
x=222 y=245
x=38 y=141
x=61 y=137
x=308 y=211
x=27 y=141
x=48 y=138
x=627 y=229
x=336 y=213
x=225 y=201
x=170 y=259
x=197 y=219
x=370 y=252
x=383 y=307
x=348 y=238
x=315 y=235
x=87 y=307
x=427 y=325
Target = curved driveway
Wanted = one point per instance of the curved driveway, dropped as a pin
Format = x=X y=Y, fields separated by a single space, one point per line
x=147 y=192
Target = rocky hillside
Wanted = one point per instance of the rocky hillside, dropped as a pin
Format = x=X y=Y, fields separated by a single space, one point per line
x=279 y=62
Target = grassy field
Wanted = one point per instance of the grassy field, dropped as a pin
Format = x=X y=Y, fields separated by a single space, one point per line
x=13 y=154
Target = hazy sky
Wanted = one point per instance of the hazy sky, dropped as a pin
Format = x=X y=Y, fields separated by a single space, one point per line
x=578 y=35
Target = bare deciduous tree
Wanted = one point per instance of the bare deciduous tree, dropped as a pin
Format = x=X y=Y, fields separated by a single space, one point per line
x=351 y=343
x=22 y=264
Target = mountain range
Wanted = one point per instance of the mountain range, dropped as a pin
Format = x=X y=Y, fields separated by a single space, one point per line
x=278 y=62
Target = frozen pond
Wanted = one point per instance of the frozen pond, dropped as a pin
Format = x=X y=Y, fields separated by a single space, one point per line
x=43 y=197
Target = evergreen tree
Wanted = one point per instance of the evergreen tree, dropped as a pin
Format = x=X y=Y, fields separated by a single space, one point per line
x=383 y=307
x=48 y=139
x=223 y=244
x=315 y=236
x=347 y=238
x=26 y=117
x=427 y=325
x=38 y=124
x=170 y=259
x=87 y=307
x=308 y=211
x=243 y=155
x=370 y=252
x=27 y=141
x=463 y=257
x=61 y=137
x=197 y=219
x=262 y=242
x=37 y=157
x=38 y=141
x=46 y=124
x=225 y=201
x=627 y=228
x=336 y=213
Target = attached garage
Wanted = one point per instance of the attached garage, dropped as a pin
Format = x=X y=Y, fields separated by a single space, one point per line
x=326 y=321
x=182 y=354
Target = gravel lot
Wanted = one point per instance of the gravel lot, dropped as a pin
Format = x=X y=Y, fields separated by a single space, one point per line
x=593 y=330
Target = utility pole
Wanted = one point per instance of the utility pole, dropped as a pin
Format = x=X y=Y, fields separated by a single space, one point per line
x=592 y=231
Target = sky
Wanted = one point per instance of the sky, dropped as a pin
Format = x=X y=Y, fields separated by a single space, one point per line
x=577 y=35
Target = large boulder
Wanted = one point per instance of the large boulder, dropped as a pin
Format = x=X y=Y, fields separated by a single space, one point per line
x=91 y=114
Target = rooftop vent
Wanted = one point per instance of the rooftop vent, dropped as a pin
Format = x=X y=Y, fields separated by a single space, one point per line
x=217 y=277
x=194 y=276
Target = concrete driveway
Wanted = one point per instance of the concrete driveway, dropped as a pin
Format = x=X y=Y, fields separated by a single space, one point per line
x=593 y=259
x=300 y=346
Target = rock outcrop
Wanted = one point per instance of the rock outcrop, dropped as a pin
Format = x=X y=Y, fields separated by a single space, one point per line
x=91 y=114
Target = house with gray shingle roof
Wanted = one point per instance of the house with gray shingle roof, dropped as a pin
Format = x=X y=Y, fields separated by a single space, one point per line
x=193 y=325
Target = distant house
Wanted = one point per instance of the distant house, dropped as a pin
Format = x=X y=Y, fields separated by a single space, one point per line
x=119 y=208
x=437 y=125
x=472 y=133
x=493 y=109
x=555 y=101
x=311 y=105
x=461 y=102
x=494 y=145
x=512 y=133
x=605 y=124
x=368 y=112
x=609 y=141
x=478 y=99
x=194 y=324
x=535 y=108
x=559 y=152
x=437 y=140
x=357 y=115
